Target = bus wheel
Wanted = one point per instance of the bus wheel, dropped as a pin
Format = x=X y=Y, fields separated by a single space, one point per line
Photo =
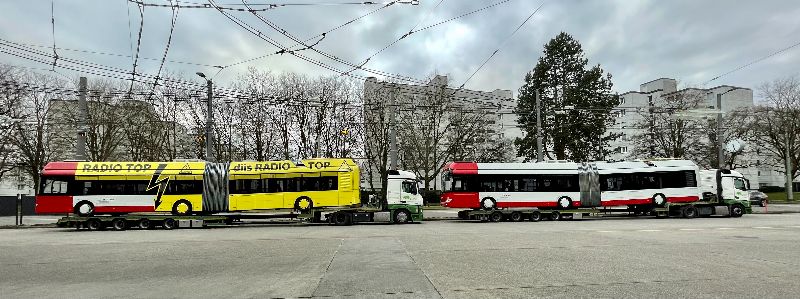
x=496 y=216
x=144 y=223
x=737 y=210
x=564 y=202
x=402 y=216
x=119 y=224
x=488 y=204
x=94 y=224
x=84 y=209
x=303 y=204
x=182 y=208
x=340 y=219
x=689 y=212
x=536 y=216
x=169 y=223
x=659 y=200
x=555 y=216
x=516 y=216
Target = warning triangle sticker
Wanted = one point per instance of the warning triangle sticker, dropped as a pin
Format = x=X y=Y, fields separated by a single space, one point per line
x=345 y=167
x=186 y=169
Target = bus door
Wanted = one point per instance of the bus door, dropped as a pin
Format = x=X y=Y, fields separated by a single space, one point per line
x=589 y=181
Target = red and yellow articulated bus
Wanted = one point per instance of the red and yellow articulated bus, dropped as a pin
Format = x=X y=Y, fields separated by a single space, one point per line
x=183 y=188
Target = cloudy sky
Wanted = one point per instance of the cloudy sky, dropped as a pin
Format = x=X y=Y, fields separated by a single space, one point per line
x=635 y=40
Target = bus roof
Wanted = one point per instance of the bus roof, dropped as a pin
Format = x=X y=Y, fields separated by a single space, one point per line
x=471 y=168
x=122 y=168
x=286 y=166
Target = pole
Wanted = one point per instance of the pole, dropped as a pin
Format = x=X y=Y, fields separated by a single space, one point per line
x=789 y=178
x=539 y=145
x=720 y=148
x=652 y=127
x=209 y=122
x=392 y=134
x=83 y=112
x=19 y=208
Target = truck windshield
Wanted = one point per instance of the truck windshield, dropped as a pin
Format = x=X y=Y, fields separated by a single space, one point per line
x=410 y=187
x=738 y=183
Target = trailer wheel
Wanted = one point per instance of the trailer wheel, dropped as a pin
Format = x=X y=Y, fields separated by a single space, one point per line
x=144 y=223
x=737 y=210
x=488 y=204
x=496 y=216
x=659 y=199
x=516 y=216
x=182 y=208
x=303 y=204
x=84 y=208
x=94 y=224
x=402 y=216
x=119 y=224
x=564 y=202
x=689 y=212
x=340 y=219
x=536 y=216
x=169 y=223
x=463 y=215
x=555 y=216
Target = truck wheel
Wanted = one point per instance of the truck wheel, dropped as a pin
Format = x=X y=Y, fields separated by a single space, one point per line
x=488 y=204
x=555 y=216
x=516 y=216
x=119 y=224
x=737 y=210
x=182 y=208
x=564 y=202
x=169 y=223
x=94 y=224
x=340 y=219
x=496 y=216
x=144 y=223
x=84 y=209
x=303 y=204
x=536 y=216
x=402 y=216
x=659 y=199
x=689 y=212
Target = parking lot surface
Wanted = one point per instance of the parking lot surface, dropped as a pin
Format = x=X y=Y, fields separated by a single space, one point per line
x=753 y=256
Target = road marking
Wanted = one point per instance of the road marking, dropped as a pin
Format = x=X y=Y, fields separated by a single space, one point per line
x=725 y=228
x=691 y=229
x=763 y=227
x=650 y=230
x=794 y=226
x=606 y=231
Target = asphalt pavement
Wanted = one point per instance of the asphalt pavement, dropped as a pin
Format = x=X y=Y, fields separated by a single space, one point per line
x=752 y=256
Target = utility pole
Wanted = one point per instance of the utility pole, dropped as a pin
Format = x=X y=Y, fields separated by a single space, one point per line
x=789 y=178
x=652 y=127
x=720 y=147
x=392 y=132
x=83 y=115
x=209 y=118
x=539 y=145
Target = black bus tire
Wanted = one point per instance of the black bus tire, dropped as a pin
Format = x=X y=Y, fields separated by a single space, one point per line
x=488 y=203
x=169 y=224
x=303 y=199
x=177 y=209
x=564 y=202
x=89 y=211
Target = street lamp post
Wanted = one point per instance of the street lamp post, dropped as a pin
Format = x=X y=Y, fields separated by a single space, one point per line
x=209 y=118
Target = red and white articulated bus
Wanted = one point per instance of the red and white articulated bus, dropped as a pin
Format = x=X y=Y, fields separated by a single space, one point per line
x=563 y=185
